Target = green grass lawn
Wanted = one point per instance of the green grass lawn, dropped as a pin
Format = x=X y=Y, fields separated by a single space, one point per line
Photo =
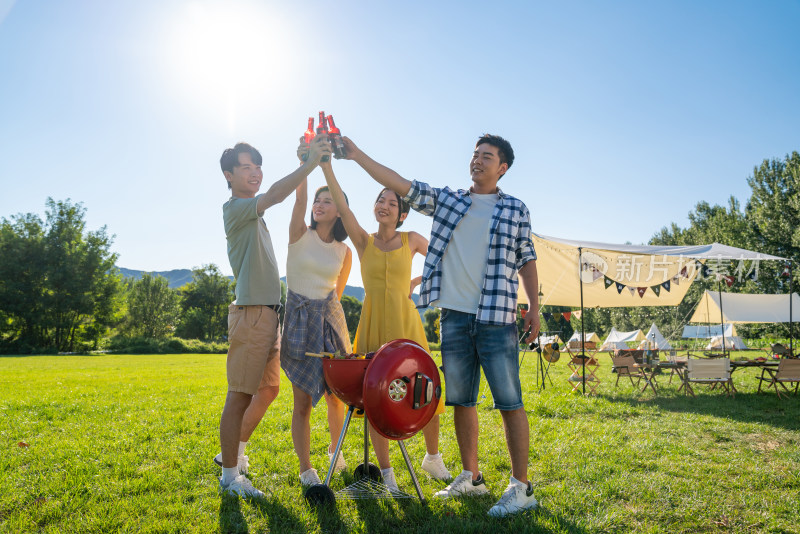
x=124 y=443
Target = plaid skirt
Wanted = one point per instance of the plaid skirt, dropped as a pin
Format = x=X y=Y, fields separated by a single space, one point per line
x=311 y=326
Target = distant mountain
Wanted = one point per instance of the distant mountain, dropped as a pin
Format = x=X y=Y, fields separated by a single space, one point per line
x=175 y=277
x=180 y=277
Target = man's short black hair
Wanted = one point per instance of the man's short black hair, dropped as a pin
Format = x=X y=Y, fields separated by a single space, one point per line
x=504 y=150
x=230 y=157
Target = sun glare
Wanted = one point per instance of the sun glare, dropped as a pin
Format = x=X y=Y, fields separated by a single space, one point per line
x=227 y=56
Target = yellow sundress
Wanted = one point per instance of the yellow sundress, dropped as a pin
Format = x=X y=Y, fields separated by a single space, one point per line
x=387 y=312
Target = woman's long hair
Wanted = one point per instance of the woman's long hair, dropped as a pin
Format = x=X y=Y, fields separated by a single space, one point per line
x=339 y=233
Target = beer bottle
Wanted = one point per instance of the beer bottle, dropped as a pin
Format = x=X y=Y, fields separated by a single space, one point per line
x=308 y=136
x=336 y=140
x=322 y=128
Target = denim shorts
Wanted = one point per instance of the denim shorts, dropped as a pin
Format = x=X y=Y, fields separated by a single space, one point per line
x=468 y=346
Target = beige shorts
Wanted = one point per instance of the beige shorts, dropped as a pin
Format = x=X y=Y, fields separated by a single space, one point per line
x=255 y=346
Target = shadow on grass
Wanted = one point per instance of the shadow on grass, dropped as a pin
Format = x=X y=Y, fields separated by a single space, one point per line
x=749 y=407
x=467 y=515
x=281 y=519
x=9 y=356
x=230 y=515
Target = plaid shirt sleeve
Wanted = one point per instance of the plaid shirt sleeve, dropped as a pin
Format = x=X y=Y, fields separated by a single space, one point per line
x=422 y=197
x=524 y=244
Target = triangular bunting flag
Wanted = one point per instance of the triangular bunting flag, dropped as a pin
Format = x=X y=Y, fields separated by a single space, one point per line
x=620 y=287
x=752 y=275
x=785 y=270
x=666 y=285
x=547 y=316
x=641 y=291
x=632 y=290
x=595 y=275
x=567 y=315
x=676 y=281
x=606 y=280
x=683 y=272
x=729 y=280
x=577 y=314
x=656 y=290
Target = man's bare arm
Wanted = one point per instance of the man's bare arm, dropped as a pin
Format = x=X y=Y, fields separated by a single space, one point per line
x=380 y=173
x=281 y=189
x=529 y=278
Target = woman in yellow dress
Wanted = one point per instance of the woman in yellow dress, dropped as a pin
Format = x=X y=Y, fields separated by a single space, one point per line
x=388 y=312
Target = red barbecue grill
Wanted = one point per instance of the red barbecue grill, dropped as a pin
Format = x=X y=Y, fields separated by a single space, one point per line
x=398 y=388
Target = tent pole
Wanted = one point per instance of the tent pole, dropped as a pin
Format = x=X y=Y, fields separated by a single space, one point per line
x=583 y=330
x=791 y=323
x=721 y=315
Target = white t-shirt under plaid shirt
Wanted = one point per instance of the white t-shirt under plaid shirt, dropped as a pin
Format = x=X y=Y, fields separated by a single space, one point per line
x=510 y=247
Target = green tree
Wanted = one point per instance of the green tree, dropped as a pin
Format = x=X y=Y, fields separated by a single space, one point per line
x=773 y=213
x=153 y=308
x=57 y=285
x=22 y=282
x=352 y=313
x=431 y=317
x=204 y=303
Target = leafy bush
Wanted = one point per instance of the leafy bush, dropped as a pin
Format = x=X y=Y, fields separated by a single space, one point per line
x=171 y=345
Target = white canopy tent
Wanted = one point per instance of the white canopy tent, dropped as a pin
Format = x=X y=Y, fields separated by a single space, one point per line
x=731 y=343
x=587 y=273
x=707 y=331
x=619 y=340
x=717 y=307
x=655 y=340
x=743 y=308
x=591 y=336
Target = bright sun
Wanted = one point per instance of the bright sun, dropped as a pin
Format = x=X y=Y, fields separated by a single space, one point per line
x=227 y=56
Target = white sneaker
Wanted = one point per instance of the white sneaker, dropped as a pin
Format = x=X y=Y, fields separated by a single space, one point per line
x=389 y=480
x=516 y=498
x=241 y=486
x=434 y=466
x=463 y=485
x=310 y=477
x=243 y=463
x=340 y=465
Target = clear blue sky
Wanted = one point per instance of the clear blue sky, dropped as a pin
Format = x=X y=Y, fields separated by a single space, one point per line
x=623 y=115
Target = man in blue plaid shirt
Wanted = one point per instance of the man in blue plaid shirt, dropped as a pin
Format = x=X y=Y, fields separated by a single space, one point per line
x=480 y=243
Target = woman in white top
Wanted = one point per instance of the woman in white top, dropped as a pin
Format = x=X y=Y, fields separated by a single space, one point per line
x=317 y=268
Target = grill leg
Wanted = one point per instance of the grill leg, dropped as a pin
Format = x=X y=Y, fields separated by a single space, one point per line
x=411 y=470
x=339 y=445
x=366 y=442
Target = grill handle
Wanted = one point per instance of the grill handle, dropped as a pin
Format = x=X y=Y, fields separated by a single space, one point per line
x=423 y=391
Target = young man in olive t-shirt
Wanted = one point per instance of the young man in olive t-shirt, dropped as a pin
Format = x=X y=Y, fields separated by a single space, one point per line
x=253 y=364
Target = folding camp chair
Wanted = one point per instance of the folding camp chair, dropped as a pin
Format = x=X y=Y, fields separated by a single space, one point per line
x=624 y=366
x=716 y=371
x=788 y=371
x=778 y=349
